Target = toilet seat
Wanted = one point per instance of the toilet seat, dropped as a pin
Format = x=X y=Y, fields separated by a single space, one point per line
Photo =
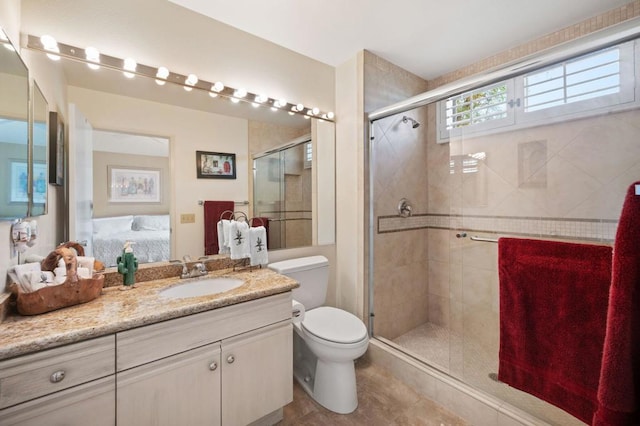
x=334 y=325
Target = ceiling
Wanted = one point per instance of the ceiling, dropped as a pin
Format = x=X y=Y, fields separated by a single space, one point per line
x=426 y=37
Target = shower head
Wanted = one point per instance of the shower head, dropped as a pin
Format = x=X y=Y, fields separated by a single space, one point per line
x=414 y=123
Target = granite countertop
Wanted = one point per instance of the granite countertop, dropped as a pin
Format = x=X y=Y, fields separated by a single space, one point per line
x=116 y=310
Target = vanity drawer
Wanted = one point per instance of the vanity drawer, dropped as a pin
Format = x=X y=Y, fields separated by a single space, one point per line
x=152 y=342
x=31 y=376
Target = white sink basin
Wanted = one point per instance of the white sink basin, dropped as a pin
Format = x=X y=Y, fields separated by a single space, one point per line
x=201 y=288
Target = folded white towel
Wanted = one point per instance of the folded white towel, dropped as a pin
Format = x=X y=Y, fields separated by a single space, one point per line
x=222 y=248
x=226 y=232
x=258 y=241
x=84 y=272
x=40 y=279
x=20 y=274
x=86 y=262
x=239 y=242
x=60 y=274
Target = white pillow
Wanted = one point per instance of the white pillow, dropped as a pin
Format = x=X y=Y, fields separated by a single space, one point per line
x=112 y=225
x=151 y=223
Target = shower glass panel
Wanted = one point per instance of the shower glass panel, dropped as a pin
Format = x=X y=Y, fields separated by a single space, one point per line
x=478 y=168
x=282 y=193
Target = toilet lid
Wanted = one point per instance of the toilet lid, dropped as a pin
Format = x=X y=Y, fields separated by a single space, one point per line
x=334 y=325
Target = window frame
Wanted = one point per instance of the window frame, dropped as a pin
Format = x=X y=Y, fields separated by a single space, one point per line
x=628 y=97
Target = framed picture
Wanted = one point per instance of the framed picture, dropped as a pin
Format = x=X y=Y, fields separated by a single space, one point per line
x=20 y=182
x=215 y=165
x=133 y=185
x=56 y=149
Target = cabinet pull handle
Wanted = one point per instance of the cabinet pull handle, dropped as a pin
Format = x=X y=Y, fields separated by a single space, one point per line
x=57 y=376
x=230 y=359
x=213 y=366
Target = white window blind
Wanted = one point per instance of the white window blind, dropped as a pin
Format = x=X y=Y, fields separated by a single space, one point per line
x=584 y=78
x=308 y=155
x=579 y=87
x=477 y=107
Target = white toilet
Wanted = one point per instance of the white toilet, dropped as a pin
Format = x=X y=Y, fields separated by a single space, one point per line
x=327 y=341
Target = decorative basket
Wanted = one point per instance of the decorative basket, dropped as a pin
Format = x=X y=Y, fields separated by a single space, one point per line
x=73 y=291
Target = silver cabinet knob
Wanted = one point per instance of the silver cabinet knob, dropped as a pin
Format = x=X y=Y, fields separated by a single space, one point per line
x=230 y=359
x=213 y=366
x=57 y=376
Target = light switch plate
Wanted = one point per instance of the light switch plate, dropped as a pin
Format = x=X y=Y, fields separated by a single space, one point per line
x=188 y=218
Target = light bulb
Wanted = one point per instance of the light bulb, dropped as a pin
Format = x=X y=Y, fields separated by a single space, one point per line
x=282 y=102
x=92 y=55
x=129 y=65
x=299 y=107
x=51 y=45
x=191 y=81
x=213 y=94
x=240 y=93
x=316 y=111
x=217 y=87
x=161 y=76
x=330 y=115
x=261 y=98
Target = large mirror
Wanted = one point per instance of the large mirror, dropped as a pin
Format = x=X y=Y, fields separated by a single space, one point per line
x=190 y=121
x=39 y=153
x=14 y=133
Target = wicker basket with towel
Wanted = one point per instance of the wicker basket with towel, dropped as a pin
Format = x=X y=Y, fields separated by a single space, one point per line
x=72 y=291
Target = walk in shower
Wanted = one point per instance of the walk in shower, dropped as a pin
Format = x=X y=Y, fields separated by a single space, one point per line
x=545 y=152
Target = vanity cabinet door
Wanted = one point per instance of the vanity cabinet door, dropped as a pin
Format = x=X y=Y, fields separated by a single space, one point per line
x=92 y=403
x=183 y=389
x=257 y=373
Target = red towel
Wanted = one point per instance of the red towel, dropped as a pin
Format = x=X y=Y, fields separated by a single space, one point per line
x=212 y=212
x=553 y=301
x=619 y=389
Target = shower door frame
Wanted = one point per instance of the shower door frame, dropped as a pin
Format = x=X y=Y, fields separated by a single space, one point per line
x=610 y=36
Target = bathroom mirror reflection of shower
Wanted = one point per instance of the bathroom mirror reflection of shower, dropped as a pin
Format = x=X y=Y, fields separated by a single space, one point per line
x=282 y=192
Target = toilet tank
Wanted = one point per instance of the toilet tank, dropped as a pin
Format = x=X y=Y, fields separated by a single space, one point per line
x=312 y=273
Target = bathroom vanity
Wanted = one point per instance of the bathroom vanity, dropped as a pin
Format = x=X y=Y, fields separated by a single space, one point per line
x=218 y=359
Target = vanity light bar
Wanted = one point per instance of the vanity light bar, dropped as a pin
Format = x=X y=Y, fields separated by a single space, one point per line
x=118 y=64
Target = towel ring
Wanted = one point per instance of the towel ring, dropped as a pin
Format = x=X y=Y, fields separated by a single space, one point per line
x=240 y=215
x=231 y=214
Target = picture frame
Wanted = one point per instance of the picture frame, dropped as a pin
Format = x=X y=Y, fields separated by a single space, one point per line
x=133 y=185
x=19 y=172
x=56 y=149
x=215 y=165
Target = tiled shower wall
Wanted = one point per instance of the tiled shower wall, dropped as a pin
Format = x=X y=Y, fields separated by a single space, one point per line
x=400 y=266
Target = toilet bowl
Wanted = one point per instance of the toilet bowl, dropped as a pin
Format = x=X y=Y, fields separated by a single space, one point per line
x=326 y=341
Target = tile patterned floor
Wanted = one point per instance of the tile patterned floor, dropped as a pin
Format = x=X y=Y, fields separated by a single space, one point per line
x=383 y=400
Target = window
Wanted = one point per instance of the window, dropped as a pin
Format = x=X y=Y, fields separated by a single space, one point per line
x=483 y=108
x=581 y=86
x=308 y=155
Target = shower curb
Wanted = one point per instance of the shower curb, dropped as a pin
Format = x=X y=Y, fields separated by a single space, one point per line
x=472 y=405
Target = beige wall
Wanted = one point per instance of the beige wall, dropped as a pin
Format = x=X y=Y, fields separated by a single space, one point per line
x=103 y=160
x=350 y=192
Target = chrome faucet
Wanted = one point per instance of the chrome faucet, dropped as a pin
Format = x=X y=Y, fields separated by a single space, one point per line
x=197 y=270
